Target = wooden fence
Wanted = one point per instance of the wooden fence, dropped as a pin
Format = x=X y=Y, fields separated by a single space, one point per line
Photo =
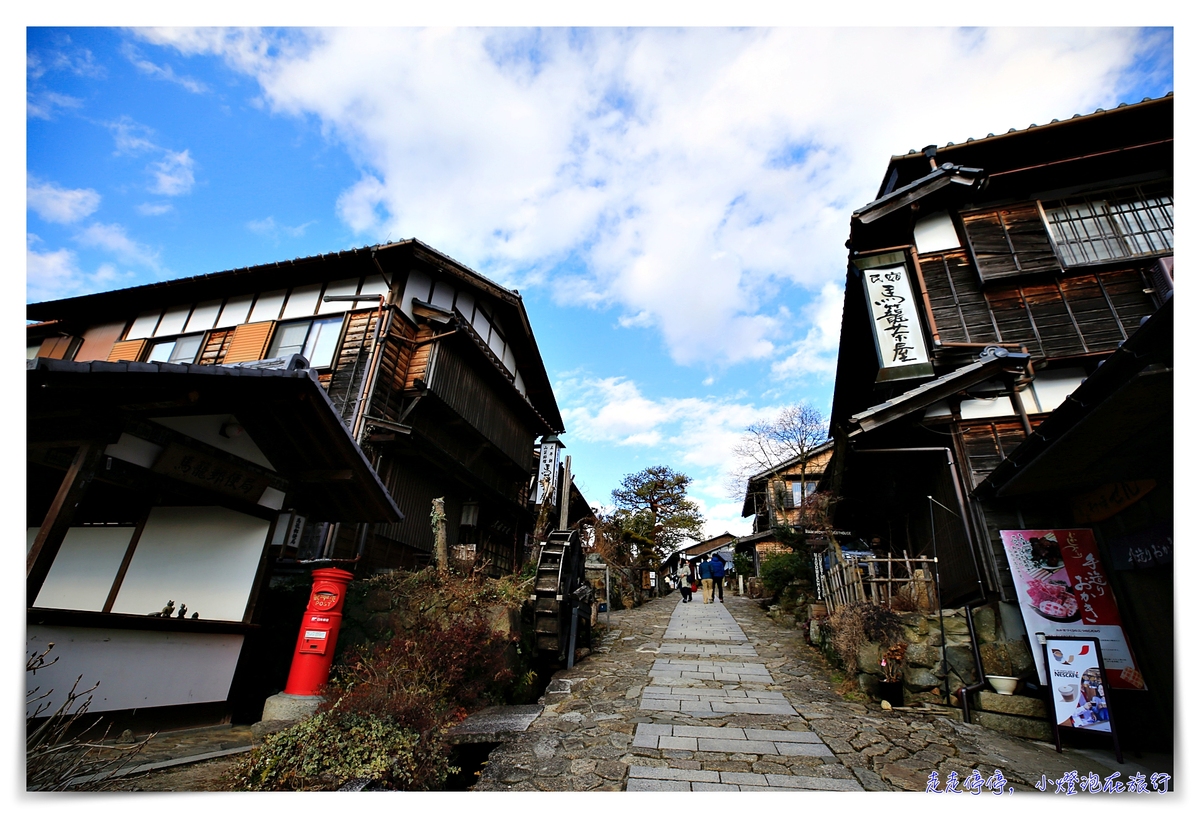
x=905 y=582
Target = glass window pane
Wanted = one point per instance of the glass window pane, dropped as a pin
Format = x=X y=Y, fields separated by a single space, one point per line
x=161 y=351
x=322 y=342
x=172 y=321
x=344 y=287
x=267 y=306
x=144 y=325
x=204 y=316
x=186 y=349
x=302 y=301
x=235 y=311
x=289 y=339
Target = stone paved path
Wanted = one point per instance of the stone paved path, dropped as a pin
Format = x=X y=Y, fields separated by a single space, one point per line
x=692 y=697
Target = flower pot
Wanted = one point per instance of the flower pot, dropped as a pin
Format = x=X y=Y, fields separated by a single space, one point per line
x=892 y=693
x=1004 y=685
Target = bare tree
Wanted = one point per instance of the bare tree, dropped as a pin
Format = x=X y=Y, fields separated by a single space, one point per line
x=795 y=433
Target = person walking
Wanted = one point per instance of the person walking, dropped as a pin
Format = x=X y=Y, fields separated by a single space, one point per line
x=684 y=573
x=706 y=579
x=718 y=574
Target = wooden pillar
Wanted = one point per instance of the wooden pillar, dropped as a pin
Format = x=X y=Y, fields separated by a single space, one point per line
x=441 y=552
x=58 y=519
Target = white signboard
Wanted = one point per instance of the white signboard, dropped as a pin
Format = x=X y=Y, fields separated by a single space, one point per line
x=547 y=475
x=1077 y=684
x=895 y=319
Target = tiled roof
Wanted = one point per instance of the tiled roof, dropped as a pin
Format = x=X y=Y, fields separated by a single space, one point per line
x=1035 y=126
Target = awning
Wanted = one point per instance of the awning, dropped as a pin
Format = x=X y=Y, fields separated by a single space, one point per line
x=993 y=361
x=914 y=191
x=285 y=412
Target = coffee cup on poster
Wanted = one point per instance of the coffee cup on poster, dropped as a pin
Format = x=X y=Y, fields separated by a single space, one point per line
x=1068 y=692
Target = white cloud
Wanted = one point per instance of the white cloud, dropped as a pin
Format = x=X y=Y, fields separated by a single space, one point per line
x=42 y=104
x=174 y=173
x=700 y=175
x=162 y=72
x=816 y=352
x=155 y=208
x=173 y=176
x=54 y=274
x=268 y=227
x=58 y=204
x=112 y=238
x=131 y=137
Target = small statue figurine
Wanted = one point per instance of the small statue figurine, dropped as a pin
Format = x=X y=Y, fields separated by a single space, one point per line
x=182 y=611
x=196 y=615
x=167 y=609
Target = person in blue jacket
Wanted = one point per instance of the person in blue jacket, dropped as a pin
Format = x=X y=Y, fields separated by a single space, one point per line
x=706 y=579
x=718 y=575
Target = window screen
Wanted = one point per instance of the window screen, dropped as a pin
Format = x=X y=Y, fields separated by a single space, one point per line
x=1123 y=224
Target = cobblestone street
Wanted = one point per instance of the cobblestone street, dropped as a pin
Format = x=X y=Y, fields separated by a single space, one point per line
x=679 y=697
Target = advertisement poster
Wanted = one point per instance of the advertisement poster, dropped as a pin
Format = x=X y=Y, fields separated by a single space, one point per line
x=1077 y=685
x=1064 y=592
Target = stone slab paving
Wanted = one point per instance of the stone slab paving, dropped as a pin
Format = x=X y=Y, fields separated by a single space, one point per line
x=595 y=734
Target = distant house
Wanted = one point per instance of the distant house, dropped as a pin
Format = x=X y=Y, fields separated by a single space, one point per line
x=777 y=497
x=697 y=551
x=191 y=439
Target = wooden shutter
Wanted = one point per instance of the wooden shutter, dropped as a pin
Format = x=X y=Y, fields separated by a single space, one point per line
x=988 y=444
x=58 y=347
x=215 y=347
x=249 y=342
x=960 y=311
x=129 y=350
x=1009 y=241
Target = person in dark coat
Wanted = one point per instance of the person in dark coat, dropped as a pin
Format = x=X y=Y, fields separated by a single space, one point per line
x=706 y=579
x=718 y=575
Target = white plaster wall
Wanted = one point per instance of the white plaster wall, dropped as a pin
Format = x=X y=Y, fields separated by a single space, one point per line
x=135 y=668
x=935 y=233
x=134 y=450
x=84 y=570
x=204 y=556
x=207 y=429
x=1054 y=385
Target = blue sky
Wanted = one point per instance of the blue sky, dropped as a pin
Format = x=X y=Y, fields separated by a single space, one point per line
x=671 y=203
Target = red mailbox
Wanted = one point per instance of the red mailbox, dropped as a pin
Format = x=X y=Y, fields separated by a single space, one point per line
x=318 y=632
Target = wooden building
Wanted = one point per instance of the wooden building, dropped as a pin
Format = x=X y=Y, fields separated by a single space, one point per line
x=989 y=285
x=780 y=497
x=420 y=379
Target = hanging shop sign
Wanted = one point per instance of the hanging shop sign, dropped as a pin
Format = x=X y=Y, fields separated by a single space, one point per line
x=895 y=319
x=1063 y=592
x=1106 y=501
x=547 y=475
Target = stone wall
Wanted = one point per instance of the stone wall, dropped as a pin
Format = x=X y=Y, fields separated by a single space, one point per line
x=925 y=677
x=376 y=610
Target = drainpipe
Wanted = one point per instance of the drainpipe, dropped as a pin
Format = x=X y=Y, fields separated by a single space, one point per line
x=965 y=691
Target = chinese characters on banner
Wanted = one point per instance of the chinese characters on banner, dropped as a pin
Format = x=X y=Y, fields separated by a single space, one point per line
x=547 y=476
x=896 y=324
x=210 y=472
x=1064 y=592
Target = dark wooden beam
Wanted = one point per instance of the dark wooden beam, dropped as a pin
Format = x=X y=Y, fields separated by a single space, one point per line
x=58 y=518
x=128 y=558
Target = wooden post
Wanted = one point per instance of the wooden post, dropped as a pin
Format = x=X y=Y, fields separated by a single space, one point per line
x=437 y=518
x=58 y=518
x=565 y=504
x=889 y=584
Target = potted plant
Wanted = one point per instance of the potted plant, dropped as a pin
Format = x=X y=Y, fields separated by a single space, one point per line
x=891 y=689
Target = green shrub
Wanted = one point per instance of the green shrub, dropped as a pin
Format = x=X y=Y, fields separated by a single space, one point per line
x=779 y=570
x=324 y=752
